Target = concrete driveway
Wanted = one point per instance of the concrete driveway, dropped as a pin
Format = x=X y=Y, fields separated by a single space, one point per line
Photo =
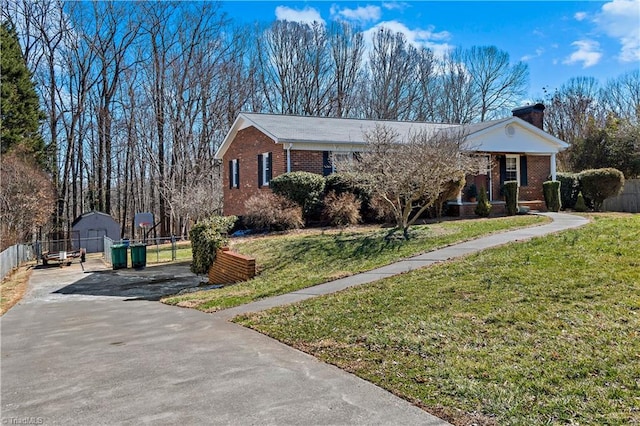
x=94 y=347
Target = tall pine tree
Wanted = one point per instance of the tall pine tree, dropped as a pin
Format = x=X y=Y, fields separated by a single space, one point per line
x=20 y=108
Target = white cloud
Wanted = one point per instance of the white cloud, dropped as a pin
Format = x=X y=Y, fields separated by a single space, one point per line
x=537 y=54
x=308 y=15
x=588 y=53
x=619 y=19
x=394 y=5
x=436 y=41
x=361 y=14
x=580 y=16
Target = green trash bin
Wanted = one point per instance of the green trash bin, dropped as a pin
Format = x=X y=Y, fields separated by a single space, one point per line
x=119 y=256
x=138 y=255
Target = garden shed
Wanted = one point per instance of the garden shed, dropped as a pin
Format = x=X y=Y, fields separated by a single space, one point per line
x=93 y=227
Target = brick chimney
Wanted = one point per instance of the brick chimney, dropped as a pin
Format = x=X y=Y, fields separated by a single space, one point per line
x=533 y=114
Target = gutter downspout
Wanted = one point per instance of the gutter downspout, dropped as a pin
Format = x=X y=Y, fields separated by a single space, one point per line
x=289 y=158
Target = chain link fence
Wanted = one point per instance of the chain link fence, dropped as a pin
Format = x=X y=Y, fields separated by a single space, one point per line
x=15 y=256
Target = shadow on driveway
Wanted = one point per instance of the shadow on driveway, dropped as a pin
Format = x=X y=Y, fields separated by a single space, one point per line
x=151 y=283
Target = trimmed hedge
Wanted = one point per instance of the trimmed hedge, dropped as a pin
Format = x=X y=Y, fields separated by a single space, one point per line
x=510 y=189
x=303 y=188
x=600 y=184
x=551 y=190
x=569 y=189
x=483 y=208
x=580 y=206
x=206 y=237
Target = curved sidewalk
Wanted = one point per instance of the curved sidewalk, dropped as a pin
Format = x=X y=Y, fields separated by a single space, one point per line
x=561 y=222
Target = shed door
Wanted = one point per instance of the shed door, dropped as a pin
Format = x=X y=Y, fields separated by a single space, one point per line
x=95 y=240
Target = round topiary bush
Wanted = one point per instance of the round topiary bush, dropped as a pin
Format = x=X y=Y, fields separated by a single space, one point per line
x=599 y=184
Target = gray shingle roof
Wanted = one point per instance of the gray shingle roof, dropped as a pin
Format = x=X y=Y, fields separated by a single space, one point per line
x=290 y=128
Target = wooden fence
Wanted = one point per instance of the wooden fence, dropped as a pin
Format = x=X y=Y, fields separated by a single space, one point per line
x=627 y=201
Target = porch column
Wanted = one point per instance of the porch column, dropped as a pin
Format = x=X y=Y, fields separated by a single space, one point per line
x=459 y=197
x=289 y=158
x=553 y=166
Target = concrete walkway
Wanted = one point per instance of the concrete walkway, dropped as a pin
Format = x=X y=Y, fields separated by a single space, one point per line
x=561 y=222
x=93 y=347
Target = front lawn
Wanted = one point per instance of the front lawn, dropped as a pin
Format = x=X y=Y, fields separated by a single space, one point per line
x=541 y=332
x=298 y=260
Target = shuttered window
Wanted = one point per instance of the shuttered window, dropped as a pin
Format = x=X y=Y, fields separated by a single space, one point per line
x=264 y=169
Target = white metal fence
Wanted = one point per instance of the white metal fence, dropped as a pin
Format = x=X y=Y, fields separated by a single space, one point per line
x=108 y=242
x=15 y=256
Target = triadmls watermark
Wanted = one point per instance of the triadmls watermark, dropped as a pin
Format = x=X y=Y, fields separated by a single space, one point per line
x=23 y=421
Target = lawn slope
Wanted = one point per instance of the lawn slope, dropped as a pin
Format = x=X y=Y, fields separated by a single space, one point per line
x=540 y=332
x=299 y=260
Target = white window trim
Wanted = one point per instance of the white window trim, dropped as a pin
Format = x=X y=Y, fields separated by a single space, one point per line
x=265 y=163
x=234 y=174
x=517 y=157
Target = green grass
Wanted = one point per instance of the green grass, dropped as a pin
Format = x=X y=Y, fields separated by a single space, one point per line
x=293 y=261
x=162 y=253
x=541 y=332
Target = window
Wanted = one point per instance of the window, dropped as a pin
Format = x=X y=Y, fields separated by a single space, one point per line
x=340 y=159
x=234 y=173
x=512 y=168
x=264 y=169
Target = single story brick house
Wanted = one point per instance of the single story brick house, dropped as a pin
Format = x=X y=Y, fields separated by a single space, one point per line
x=259 y=147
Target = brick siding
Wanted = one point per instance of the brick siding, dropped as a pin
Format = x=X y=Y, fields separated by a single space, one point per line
x=246 y=147
x=307 y=161
x=230 y=267
x=538 y=170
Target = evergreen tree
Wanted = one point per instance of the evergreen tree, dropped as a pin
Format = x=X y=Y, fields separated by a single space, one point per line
x=20 y=108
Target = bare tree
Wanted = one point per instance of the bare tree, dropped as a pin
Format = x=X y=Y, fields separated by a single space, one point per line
x=391 y=77
x=26 y=199
x=457 y=98
x=499 y=85
x=347 y=49
x=295 y=63
x=621 y=96
x=409 y=174
x=571 y=108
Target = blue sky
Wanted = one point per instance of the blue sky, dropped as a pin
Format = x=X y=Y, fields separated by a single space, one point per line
x=557 y=39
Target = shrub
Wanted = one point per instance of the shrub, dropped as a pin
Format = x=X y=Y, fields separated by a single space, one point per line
x=483 y=208
x=207 y=236
x=452 y=188
x=303 y=188
x=551 y=191
x=580 y=206
x=343 y=209
x=600 y=184
x=272 y=212
x=569 y=188
x=357 y=185
x=510 y=189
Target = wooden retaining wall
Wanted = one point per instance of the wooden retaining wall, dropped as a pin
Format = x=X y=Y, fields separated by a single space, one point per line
x=627 y=201
x=230 y=267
